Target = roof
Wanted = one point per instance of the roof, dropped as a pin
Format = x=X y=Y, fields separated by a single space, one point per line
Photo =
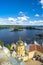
x=35 y=42
x=6 y=50
x=13 y=52
x=20 y=42
x=4 y=60
x=0 y=47
x=16 y=61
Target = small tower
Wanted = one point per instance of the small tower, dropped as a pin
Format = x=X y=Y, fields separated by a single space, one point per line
x=13 y=46
x=20 y=48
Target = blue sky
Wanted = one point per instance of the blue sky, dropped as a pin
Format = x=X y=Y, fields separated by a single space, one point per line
x=21 y=12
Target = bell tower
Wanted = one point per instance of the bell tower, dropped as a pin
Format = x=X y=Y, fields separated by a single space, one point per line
x=20 y=48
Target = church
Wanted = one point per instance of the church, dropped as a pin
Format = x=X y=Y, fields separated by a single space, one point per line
x=20 y=51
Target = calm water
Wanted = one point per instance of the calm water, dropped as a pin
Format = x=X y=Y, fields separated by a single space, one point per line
x=8 y=37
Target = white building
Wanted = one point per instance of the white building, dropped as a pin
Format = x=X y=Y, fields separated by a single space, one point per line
x=6 y=50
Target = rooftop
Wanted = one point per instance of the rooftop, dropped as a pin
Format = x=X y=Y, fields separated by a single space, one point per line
x=20 y=42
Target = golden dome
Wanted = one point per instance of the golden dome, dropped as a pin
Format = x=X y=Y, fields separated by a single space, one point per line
x=20 y=42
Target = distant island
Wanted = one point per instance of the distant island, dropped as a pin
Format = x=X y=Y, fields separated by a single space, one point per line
x=18 y=28
x=40 y=35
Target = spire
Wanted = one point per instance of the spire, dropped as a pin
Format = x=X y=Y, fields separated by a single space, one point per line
x=20 y=39
x=20 y=42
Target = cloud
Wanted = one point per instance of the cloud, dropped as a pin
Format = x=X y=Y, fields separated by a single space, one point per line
x=41 y=3
x=20 y=20
x=2 y=21
x=37 y=15
x=36 y=22
x=23 y=18
x=14 y=21
x=20 y=12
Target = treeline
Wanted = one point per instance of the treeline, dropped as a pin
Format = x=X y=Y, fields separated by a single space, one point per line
x=15 y=27
x=4 y=26
x=40 y=35
x=7 y=45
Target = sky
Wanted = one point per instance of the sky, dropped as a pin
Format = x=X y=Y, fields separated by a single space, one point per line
x=21 y=12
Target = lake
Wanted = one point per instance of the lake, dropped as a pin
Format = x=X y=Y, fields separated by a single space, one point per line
x=8 y=37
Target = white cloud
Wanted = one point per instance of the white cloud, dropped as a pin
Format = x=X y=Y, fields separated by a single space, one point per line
x=2 y=21
x=37 y=15
x=41 y=3
x=20 y=20
x=12 y=19
x=36 y=22
x=20 y=12
x=23 y=18
x=42 y=6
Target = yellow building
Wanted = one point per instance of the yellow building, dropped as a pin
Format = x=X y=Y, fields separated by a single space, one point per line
x=13 y=46
x=20 y=51
x=20 y=48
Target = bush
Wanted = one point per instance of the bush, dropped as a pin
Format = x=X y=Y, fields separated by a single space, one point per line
x=8 y=46
x=1 y=43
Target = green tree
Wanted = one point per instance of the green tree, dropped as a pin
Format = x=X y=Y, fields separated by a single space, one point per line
x=8 y=46
x=1 y=43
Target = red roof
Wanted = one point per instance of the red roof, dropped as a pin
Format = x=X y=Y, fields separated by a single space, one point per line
x=36 y=47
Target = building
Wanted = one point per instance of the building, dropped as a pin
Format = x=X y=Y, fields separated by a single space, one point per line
x=20 y=48
x=16 y=61
x=14 y=54
x=6 y=51
x=36 y=47
x=13 y=46
x=20 y=51
x=35 y=50
x=0 y=47
x=4 y=59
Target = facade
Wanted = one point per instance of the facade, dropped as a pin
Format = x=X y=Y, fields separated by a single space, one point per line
x=14 y=54
x=20 y=51
x=13 y=46
x=35 y=50
x=6 y=51
x=0 y=47
x=4 y=59
x=36 y=47
x=20 y=48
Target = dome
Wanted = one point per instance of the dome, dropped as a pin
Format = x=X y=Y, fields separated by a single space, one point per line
x=13 y=46
x=6 y=50
x=20 y=42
